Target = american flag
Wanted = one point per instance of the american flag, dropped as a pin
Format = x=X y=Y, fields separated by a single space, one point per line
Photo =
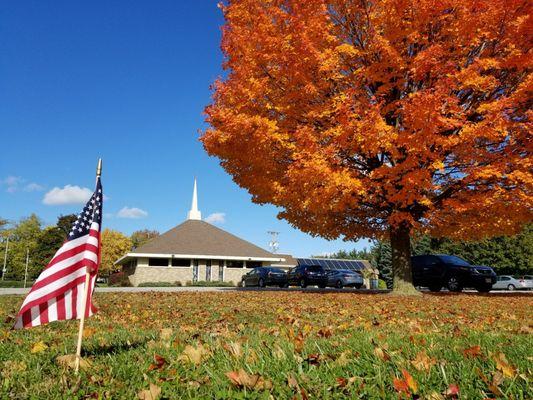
x=58 y=292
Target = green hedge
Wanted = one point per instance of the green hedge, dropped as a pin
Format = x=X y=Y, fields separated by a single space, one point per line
x=210 y=284
x=15 y=284
x=160 y=284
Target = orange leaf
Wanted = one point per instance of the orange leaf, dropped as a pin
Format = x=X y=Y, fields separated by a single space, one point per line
x=474 y=351
x=410 y=381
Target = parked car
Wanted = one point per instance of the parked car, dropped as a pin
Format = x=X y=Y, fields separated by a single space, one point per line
x=340 y=278
x=441 y=270
x=526 y=282
x=265 y=276
x=507 y=282
x=305 y=275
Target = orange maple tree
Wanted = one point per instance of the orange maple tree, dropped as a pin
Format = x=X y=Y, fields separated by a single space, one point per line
x=379 y=118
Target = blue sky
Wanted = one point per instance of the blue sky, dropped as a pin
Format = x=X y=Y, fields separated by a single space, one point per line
x=127 y=82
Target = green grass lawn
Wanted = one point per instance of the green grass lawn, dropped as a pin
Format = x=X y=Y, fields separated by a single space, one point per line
x=278 y=345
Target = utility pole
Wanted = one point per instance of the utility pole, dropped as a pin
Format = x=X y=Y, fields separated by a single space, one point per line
x=26 y=270
x=274 y=244
x=5 y=259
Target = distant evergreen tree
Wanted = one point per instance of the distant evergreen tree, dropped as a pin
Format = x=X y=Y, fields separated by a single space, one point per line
x=382 y=260
x=506 y=254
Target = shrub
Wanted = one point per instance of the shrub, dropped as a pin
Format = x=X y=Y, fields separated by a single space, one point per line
x=119 y=279
x=210 y=284
x=382 y=285
x=158 y=284
x=15 y=284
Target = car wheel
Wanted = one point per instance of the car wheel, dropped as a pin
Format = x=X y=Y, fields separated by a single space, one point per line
x=511 y=287
x=303 y=283
x=358 y=286
x=435 y=288
x=261 y=282
x=453 y=284
x=339 y=284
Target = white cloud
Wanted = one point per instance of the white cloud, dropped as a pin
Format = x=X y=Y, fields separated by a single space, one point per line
x=12 y=183
x=15 y=183
x=68 y=195
x=33 y=187
x=131 y=212
x=13 y=180
x=216 y=218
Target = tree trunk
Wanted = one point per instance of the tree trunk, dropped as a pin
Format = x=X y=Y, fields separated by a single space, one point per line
x=401 y=260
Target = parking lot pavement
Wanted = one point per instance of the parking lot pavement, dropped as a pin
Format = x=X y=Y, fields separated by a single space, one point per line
x=21 y=291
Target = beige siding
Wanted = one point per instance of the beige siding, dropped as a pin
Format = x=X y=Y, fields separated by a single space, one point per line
x=160 y=274
x=234 y=274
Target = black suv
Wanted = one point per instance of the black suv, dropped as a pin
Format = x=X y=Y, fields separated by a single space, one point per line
x=304 y=275
x=454 y=273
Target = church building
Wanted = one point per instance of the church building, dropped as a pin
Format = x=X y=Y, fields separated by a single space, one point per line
x=195 y=251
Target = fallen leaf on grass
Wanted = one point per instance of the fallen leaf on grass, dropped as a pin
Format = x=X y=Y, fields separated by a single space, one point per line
x=313 y=359
x=291 y=381
x=381 y=354
x=474 y=351
x=279 y=353
x=88 y=332
x=159 y=363
x=405 y=385
x=299 y=342
x=234 y=348
x=150 y=394
x=39 y=347
x=503 y=365
x=165 y=334
x=242 y=379
x=343 y=359
x=452 y=391
x=410 y=381
x=194 y=355
x=325 y=333
x=423 y=362
x=494 y=385
x=69 y=361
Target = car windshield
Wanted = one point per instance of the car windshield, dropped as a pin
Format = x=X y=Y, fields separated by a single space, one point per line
x=454 y=260
x=277 y=270
x=314 y=268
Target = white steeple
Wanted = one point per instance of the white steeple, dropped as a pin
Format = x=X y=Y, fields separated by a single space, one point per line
x=194 y=213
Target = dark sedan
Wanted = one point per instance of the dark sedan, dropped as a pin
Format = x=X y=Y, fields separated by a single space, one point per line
x=265 y=276
x=305 y=275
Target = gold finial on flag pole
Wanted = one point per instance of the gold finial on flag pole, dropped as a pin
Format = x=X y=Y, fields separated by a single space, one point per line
x=99 y=168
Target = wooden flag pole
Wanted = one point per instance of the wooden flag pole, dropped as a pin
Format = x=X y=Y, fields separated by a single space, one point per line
x=85 y=293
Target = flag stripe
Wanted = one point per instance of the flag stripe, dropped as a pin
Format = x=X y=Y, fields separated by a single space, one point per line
x=83 y=261
x=65 y=255
x=61 y=264
x=61 y=307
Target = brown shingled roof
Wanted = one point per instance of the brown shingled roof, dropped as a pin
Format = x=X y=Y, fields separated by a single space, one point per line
x=197 y=237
